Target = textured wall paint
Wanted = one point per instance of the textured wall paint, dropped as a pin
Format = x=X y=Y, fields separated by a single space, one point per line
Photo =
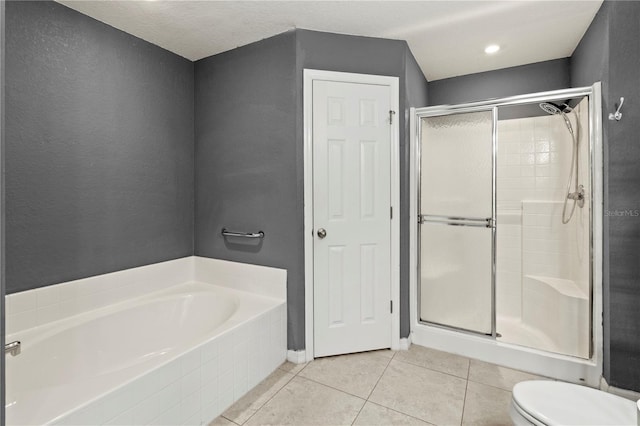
x=610 y=52
x=417 y=86
x=249 y=152
x=624 y=196
x=99 y=148
x=590 y=63
x=2 y=203
x=246 y=173
x=531 y=78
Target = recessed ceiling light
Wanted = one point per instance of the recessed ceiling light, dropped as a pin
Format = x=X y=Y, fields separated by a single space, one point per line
x=491 y=49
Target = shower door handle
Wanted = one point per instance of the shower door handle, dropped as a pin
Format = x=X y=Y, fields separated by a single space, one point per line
x=487 y=222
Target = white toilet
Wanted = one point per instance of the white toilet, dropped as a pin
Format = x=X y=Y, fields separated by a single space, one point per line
x=542 y=402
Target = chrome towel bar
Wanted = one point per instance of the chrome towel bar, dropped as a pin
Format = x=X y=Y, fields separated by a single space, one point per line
x=226 y=233
x=457 y=221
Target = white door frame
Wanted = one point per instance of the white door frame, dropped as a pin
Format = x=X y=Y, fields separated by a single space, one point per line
x=393 y=82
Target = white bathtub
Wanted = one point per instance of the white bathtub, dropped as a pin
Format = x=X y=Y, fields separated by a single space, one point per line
x=180 y=355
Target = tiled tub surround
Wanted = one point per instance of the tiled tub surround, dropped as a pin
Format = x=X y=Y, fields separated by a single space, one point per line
x=178 y=343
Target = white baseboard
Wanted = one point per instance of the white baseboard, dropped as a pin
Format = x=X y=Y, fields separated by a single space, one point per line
x=297 y=357
x=300 y=357
x=625 y=393
x=405 y=343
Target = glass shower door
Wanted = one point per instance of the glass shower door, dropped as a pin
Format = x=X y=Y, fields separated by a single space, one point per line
x=457 y=221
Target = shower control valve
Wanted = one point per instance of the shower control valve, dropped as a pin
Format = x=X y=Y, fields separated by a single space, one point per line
x=577 y=196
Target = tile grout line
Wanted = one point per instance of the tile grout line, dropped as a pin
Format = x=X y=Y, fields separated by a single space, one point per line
x=359 y=411
x=401 y=412
x=373 y=388
x=379 y=378
x=342 y=390
x=311 y=380
x=494 y=386
x=266 y=402
x=434 y=370
x=464 y=402
x=466 y=387
x=331 y=387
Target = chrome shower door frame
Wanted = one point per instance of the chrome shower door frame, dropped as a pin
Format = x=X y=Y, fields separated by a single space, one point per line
x=417 y=114
x=459 y=221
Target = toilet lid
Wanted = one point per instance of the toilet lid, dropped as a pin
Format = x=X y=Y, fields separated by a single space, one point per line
x=558 y=403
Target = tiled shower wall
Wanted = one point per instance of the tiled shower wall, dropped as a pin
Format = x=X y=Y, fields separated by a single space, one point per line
x=547 y=248
x=533 y=160
x=534 y=156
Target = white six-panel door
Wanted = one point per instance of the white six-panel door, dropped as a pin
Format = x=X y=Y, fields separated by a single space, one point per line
x=352 y=207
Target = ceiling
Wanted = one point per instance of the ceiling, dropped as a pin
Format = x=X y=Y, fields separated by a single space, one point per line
x=447 y=38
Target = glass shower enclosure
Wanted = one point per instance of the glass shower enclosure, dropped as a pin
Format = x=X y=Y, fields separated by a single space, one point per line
x=498 y=255
x=457 y=205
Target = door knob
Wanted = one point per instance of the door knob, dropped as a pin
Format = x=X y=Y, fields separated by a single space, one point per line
x=322 y=233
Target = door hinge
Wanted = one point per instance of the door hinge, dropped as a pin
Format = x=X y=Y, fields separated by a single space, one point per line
x=391 y=305
x=391 y=114
x=391 y=212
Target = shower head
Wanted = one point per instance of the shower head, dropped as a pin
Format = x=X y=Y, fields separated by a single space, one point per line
x=553 y=109
x=550 y=108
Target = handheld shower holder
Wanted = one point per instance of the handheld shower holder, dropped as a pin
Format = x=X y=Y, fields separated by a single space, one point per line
x=578 y=196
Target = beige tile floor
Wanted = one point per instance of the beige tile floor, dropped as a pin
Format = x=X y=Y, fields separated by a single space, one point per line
x=416 y=387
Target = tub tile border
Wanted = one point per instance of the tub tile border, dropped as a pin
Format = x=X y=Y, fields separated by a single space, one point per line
x=161 y=396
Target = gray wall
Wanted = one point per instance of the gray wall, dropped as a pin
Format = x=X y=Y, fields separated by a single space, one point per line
x=2 y=262
x=246 y=162
x=416 y=84
x=610 y=52
x=103 y=181
x=530 y=78
x=99 y=148
x=590 y=63
x=249 y=152
x=623 y=195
